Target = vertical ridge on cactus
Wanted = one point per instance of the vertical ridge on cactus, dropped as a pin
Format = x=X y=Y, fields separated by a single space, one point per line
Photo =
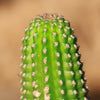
x=51 y=68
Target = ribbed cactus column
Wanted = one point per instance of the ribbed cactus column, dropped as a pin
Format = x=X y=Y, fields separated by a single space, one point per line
x=51 y=66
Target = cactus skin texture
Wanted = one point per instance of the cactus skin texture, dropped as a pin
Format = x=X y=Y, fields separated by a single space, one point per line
x=51 y=66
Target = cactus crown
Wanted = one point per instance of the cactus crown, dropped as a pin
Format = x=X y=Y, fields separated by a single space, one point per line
x=51 y=68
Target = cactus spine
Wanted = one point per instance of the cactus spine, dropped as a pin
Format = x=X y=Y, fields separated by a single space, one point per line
x=51 y=68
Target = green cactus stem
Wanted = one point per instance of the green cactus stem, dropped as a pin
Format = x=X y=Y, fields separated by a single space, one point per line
x=51 y=66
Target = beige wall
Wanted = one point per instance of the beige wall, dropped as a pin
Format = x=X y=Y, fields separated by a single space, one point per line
x=15 y=16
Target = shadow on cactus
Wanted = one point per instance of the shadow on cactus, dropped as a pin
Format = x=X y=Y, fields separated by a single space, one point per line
x=51 y=66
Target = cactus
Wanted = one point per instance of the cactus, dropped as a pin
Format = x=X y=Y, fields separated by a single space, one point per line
x=51 y=66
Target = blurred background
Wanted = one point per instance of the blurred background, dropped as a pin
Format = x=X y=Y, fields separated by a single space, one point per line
x=15 y=16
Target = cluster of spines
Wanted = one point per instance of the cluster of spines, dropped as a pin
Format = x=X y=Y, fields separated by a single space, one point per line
x=51 y=66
